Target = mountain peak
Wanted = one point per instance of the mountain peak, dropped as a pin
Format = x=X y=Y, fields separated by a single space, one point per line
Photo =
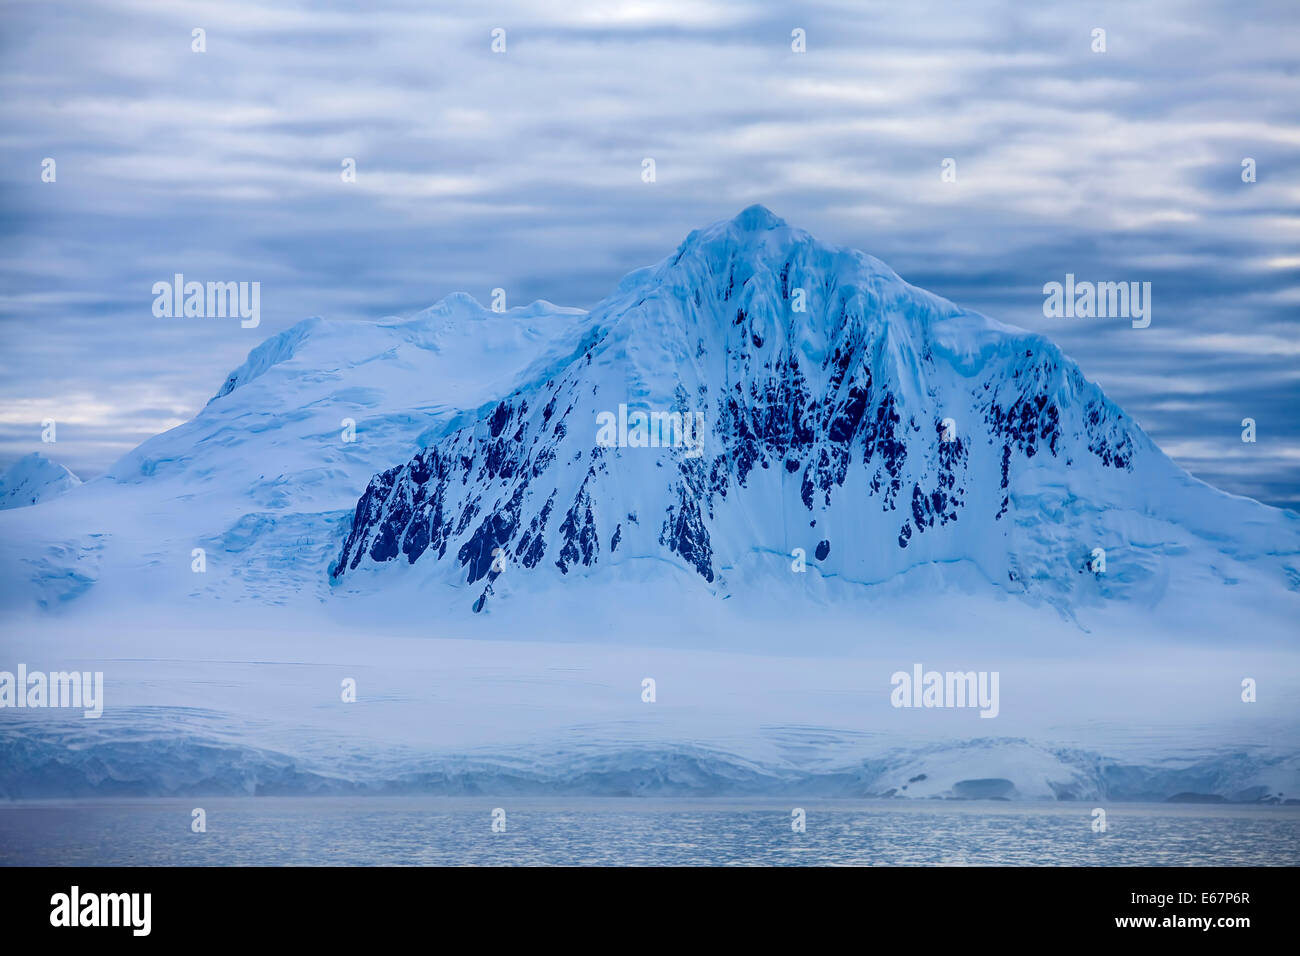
x=753 y=227
x=757 y=218
x=834 y=410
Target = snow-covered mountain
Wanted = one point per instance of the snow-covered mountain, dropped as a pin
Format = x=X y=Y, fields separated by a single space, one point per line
x=955 y=491
x=265 y=477
x=840 y=420
x=34 y=478
x=840 y=417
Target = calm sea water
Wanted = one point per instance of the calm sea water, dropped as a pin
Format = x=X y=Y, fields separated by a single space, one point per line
x=627 y=831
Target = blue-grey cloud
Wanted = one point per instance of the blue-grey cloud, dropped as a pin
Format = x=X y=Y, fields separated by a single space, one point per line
x=523 y=170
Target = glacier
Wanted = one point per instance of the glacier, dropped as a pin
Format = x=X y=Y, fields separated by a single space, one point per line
x=259 y=713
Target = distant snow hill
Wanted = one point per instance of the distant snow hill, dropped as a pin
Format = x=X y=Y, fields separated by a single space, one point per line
x=33 y=478
x=265 y=477
x=758 y=412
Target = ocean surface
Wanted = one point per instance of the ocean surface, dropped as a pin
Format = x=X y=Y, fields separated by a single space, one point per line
x=416 y=831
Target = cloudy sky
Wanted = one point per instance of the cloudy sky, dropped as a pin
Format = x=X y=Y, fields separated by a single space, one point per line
x=522 y=170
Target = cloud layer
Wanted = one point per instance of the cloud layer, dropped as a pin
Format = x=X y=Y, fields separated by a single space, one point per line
x=522 y=170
